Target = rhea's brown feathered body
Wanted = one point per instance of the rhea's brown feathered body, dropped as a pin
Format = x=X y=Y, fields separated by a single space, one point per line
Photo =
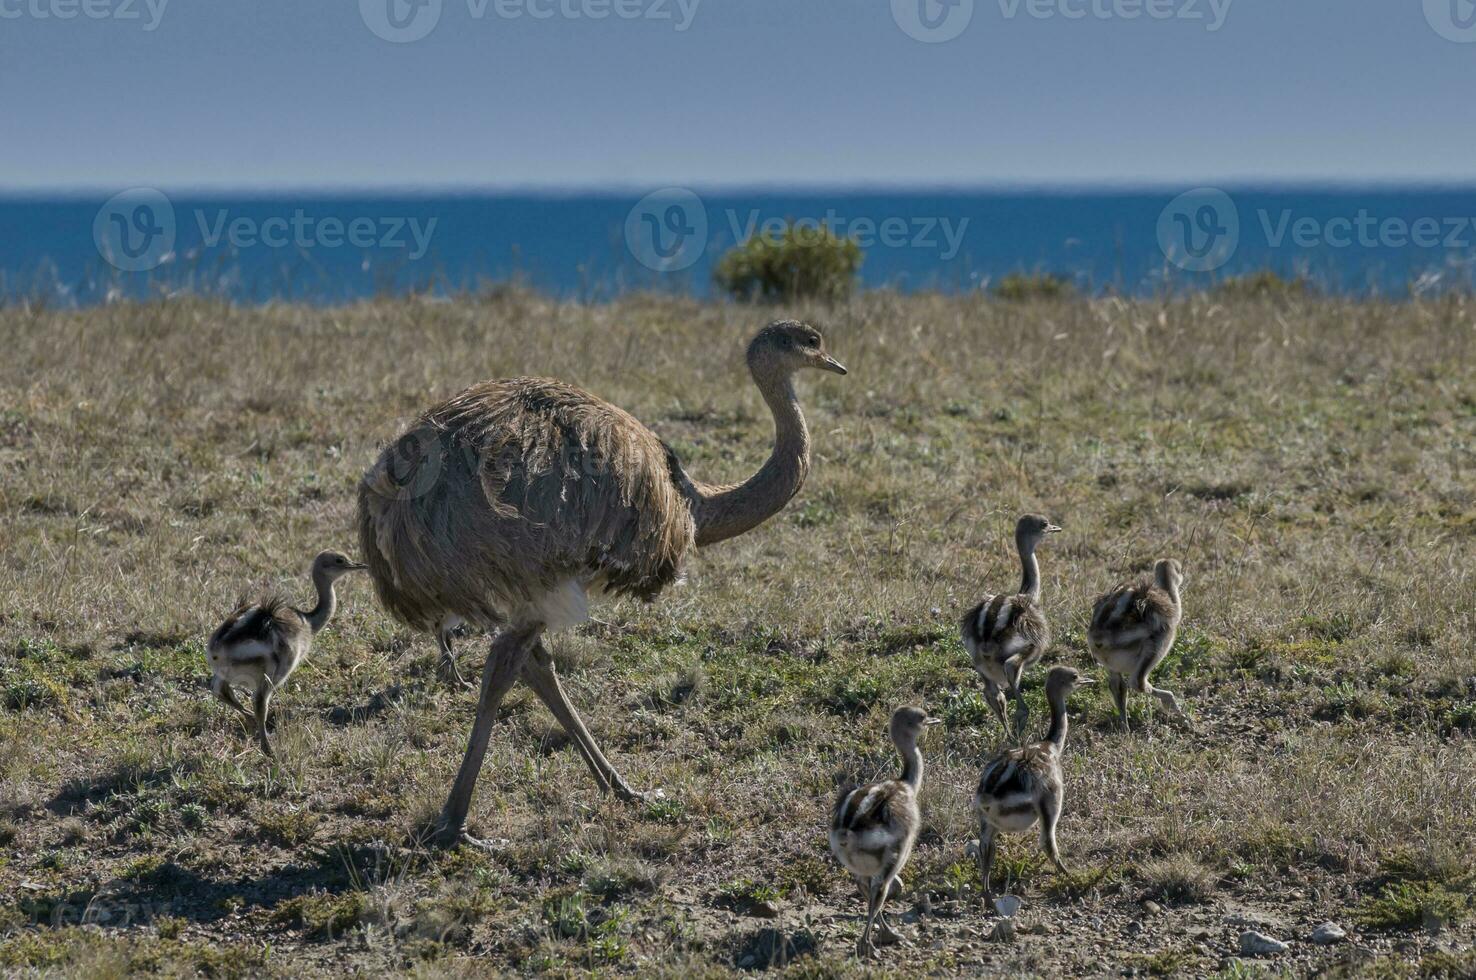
x=1007 y=634
x=505 y=505
x=261 y=643
x=1133 y=628
x=1020 y=787
x=873 y=827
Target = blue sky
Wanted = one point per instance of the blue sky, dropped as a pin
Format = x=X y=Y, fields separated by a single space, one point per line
x=295 y=93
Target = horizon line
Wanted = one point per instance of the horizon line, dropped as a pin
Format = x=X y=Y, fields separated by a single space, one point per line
x=626 y=189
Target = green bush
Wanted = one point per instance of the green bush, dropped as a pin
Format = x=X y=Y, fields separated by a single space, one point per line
x=1018 y=287
x=1267 y=283
x=802 y=262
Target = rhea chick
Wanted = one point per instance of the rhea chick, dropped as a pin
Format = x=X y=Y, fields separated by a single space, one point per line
x=1021 y=787
x=1133 y=629
x=1006 y=634
x=873 y=827
x=261 y=643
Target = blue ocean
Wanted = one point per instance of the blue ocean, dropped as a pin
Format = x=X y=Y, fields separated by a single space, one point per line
x=81 y=249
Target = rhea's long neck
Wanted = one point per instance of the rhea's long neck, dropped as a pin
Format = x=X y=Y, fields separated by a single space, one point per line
x=1056 y=734
x=912 y=765
x=726 y=512
x=319 y=615
x=1029 y=569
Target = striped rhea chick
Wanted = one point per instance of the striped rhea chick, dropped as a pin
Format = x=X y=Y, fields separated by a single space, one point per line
x=1021 y=787
x=873 y=827
x=1133 y=629
x=261 y=643
x=1006 y=634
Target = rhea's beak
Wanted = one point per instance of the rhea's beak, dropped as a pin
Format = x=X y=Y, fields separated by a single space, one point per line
x=1085 y=681
x=357 y=568
x=930 y=722
x=1052 y=528
x=828 y=363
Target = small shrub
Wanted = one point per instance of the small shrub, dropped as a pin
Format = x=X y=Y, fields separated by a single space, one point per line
x=614 y=877
x=323 y=914
x=1020 y=287
x=802 y=262
x=291 y=828
x=1178 y=879
x=1406 y=904
x=745 y=893
x=1266 y=283
x=809 y=873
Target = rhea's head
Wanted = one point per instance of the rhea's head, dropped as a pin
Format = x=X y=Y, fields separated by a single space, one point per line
x=332 y=564
x=1031 y=528
x=787 y=346
x=908 y=725
x=1168 y=575
x=1061 y=681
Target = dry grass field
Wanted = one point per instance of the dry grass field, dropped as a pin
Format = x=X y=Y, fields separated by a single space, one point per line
x=1311 y=461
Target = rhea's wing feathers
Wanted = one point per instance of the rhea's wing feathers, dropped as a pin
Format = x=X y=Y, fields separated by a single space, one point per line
x=1015 y=772
x=865 y=807
x=255 y=628
x=1003 y=625
x=513 y=487
x=1130 y=613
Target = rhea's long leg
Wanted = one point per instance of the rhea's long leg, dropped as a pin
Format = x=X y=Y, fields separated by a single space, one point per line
x=1118 y=685
x=541 y=676
x=446 y=667
x=222 y=690
x=263 y=702
x=504 y=663
x=1050 y=812
x=987 y=845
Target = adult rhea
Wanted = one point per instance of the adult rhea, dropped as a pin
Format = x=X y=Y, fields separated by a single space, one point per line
x=504 y=506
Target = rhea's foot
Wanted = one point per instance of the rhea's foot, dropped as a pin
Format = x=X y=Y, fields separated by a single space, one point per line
x=448 y=835
x=626 y=794
x=887 y=936
x=451 y=674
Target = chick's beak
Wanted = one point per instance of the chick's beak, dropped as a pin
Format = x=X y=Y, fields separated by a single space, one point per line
x=828 y=363
x=1085 y=681
x=930 y=722
x=356 y=568
x=1053 y=528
